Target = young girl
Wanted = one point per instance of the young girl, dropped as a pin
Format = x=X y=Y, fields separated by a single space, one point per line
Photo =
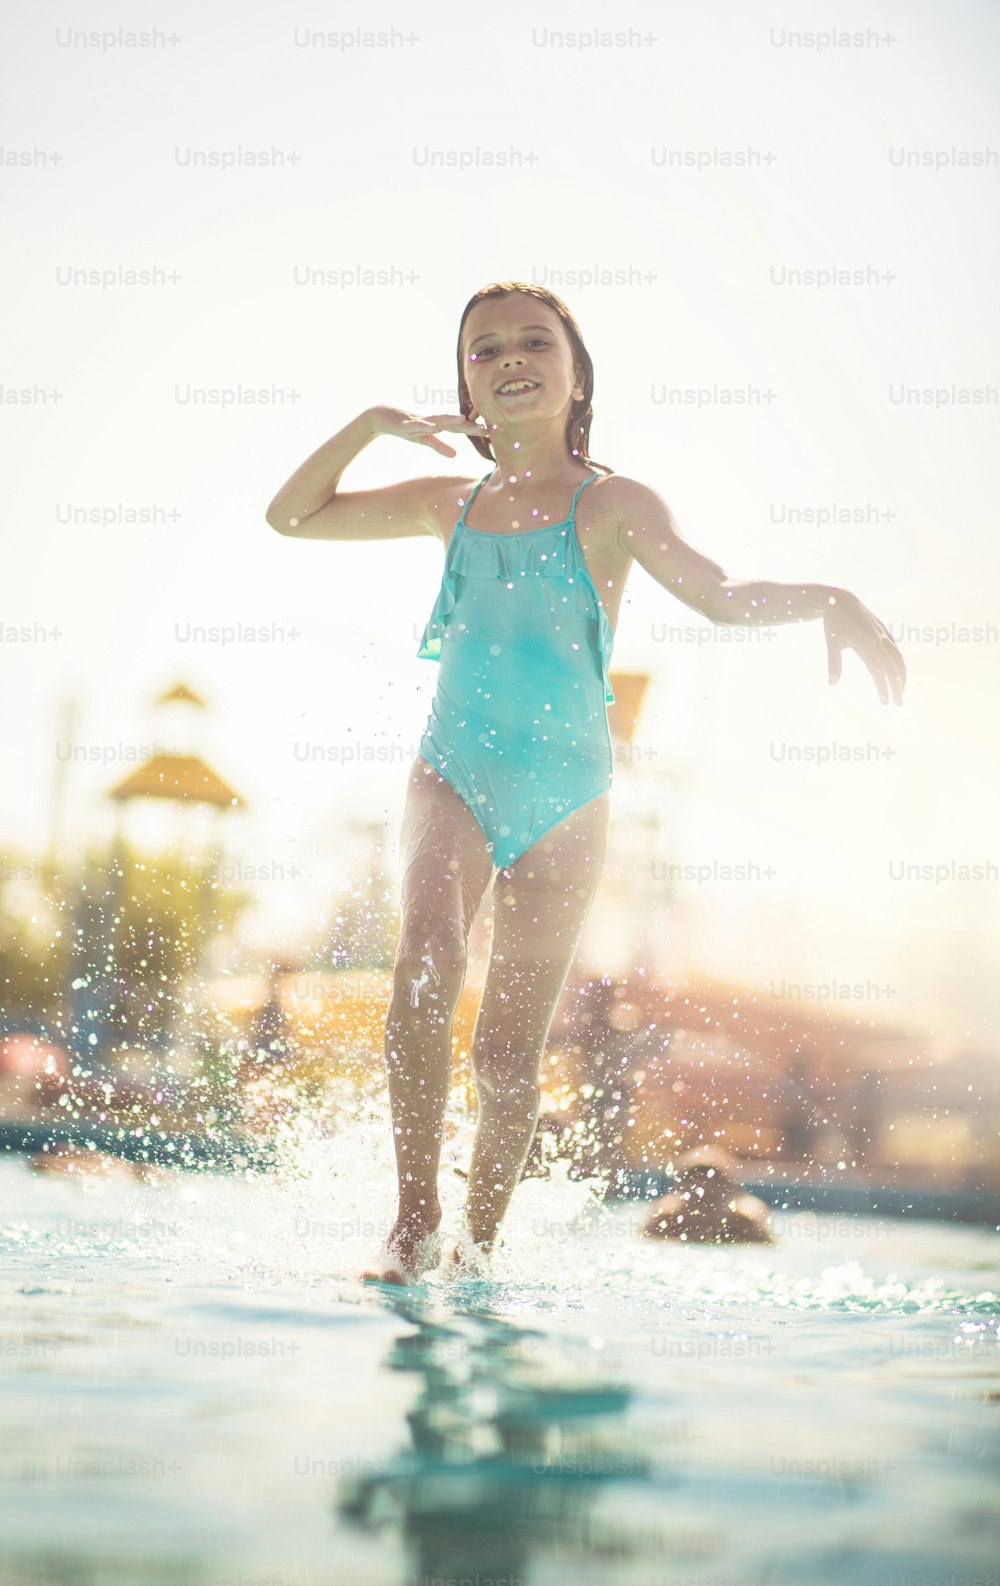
x=510 y=787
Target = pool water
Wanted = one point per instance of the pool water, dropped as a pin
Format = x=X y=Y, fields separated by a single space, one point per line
x=198 y=1391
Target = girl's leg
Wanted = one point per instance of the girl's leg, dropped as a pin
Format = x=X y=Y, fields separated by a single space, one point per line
x=540 y=904
x=445 y=870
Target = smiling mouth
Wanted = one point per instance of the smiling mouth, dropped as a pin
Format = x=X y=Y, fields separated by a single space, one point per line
x=520 y=387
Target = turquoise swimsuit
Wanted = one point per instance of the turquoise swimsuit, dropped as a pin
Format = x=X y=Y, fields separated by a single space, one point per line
x=518 y=724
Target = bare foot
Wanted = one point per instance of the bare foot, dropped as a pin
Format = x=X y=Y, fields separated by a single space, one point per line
x=469 y=1257
x=411 y=1249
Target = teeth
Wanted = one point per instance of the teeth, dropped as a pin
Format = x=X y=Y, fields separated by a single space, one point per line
x=519 y=385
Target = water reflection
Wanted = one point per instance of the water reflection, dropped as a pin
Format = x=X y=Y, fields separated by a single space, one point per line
x=507 y=1455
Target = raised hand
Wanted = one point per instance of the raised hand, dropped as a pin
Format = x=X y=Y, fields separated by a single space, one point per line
x=411 y=427
x=849 y=625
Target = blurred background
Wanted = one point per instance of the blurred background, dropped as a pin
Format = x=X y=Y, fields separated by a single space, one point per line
x=781 y=255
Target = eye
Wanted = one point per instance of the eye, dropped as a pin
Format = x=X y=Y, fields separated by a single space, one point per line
x=534 y=341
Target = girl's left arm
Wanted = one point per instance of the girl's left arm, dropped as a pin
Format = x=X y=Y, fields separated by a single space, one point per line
x=647 y=531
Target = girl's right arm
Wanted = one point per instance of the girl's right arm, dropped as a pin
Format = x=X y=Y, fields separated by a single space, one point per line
x=309 y=505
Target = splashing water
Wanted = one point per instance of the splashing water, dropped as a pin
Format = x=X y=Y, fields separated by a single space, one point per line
x=425 y=979
x=595 y=1401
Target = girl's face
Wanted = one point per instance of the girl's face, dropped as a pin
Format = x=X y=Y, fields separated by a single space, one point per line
x=518 y=339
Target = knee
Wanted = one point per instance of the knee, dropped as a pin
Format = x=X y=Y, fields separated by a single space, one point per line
x=506 y=1081
x=429 y=967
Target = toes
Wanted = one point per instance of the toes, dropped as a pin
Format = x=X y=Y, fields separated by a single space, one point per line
x=403 y=1266
x=391 y=1275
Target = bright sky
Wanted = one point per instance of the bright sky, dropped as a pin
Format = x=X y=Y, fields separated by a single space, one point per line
x=707 y=303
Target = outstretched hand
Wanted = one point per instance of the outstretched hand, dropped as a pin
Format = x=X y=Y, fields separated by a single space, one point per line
x=423 y=431
x=849 y=625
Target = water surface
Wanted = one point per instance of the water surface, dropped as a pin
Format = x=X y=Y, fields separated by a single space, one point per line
x=198 y=1391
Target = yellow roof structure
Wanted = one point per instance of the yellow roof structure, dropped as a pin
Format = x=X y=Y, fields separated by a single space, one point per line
x=178 y=776
x=180 y=691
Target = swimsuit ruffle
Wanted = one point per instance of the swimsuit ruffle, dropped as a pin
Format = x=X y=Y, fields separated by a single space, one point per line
x=536 y=554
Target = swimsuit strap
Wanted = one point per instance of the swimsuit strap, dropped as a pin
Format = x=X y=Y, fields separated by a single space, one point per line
x=586 y=482
x=472 y=497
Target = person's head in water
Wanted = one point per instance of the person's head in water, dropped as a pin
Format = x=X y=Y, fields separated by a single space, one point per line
x=708 y=1168
x=707 y=1203
x=511 y=330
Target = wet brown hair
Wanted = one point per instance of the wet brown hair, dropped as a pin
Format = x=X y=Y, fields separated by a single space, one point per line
x=701 y=1161
x=582 y=413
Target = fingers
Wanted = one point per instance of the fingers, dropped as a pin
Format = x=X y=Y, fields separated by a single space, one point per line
x=869 y=652
x=441 y=447
x=896 y=671
x=887 y=678
x=880 y=653
x=892 y=667
x=897 y=665
x=425 y=426
x=455 y=421
x=441 y=421
x=414 y=429
x=890 y=659
x=428 y=438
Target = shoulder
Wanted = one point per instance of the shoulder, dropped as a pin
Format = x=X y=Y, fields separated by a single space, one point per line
x=445 y=496
x=628 y=493
x=630 y=504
